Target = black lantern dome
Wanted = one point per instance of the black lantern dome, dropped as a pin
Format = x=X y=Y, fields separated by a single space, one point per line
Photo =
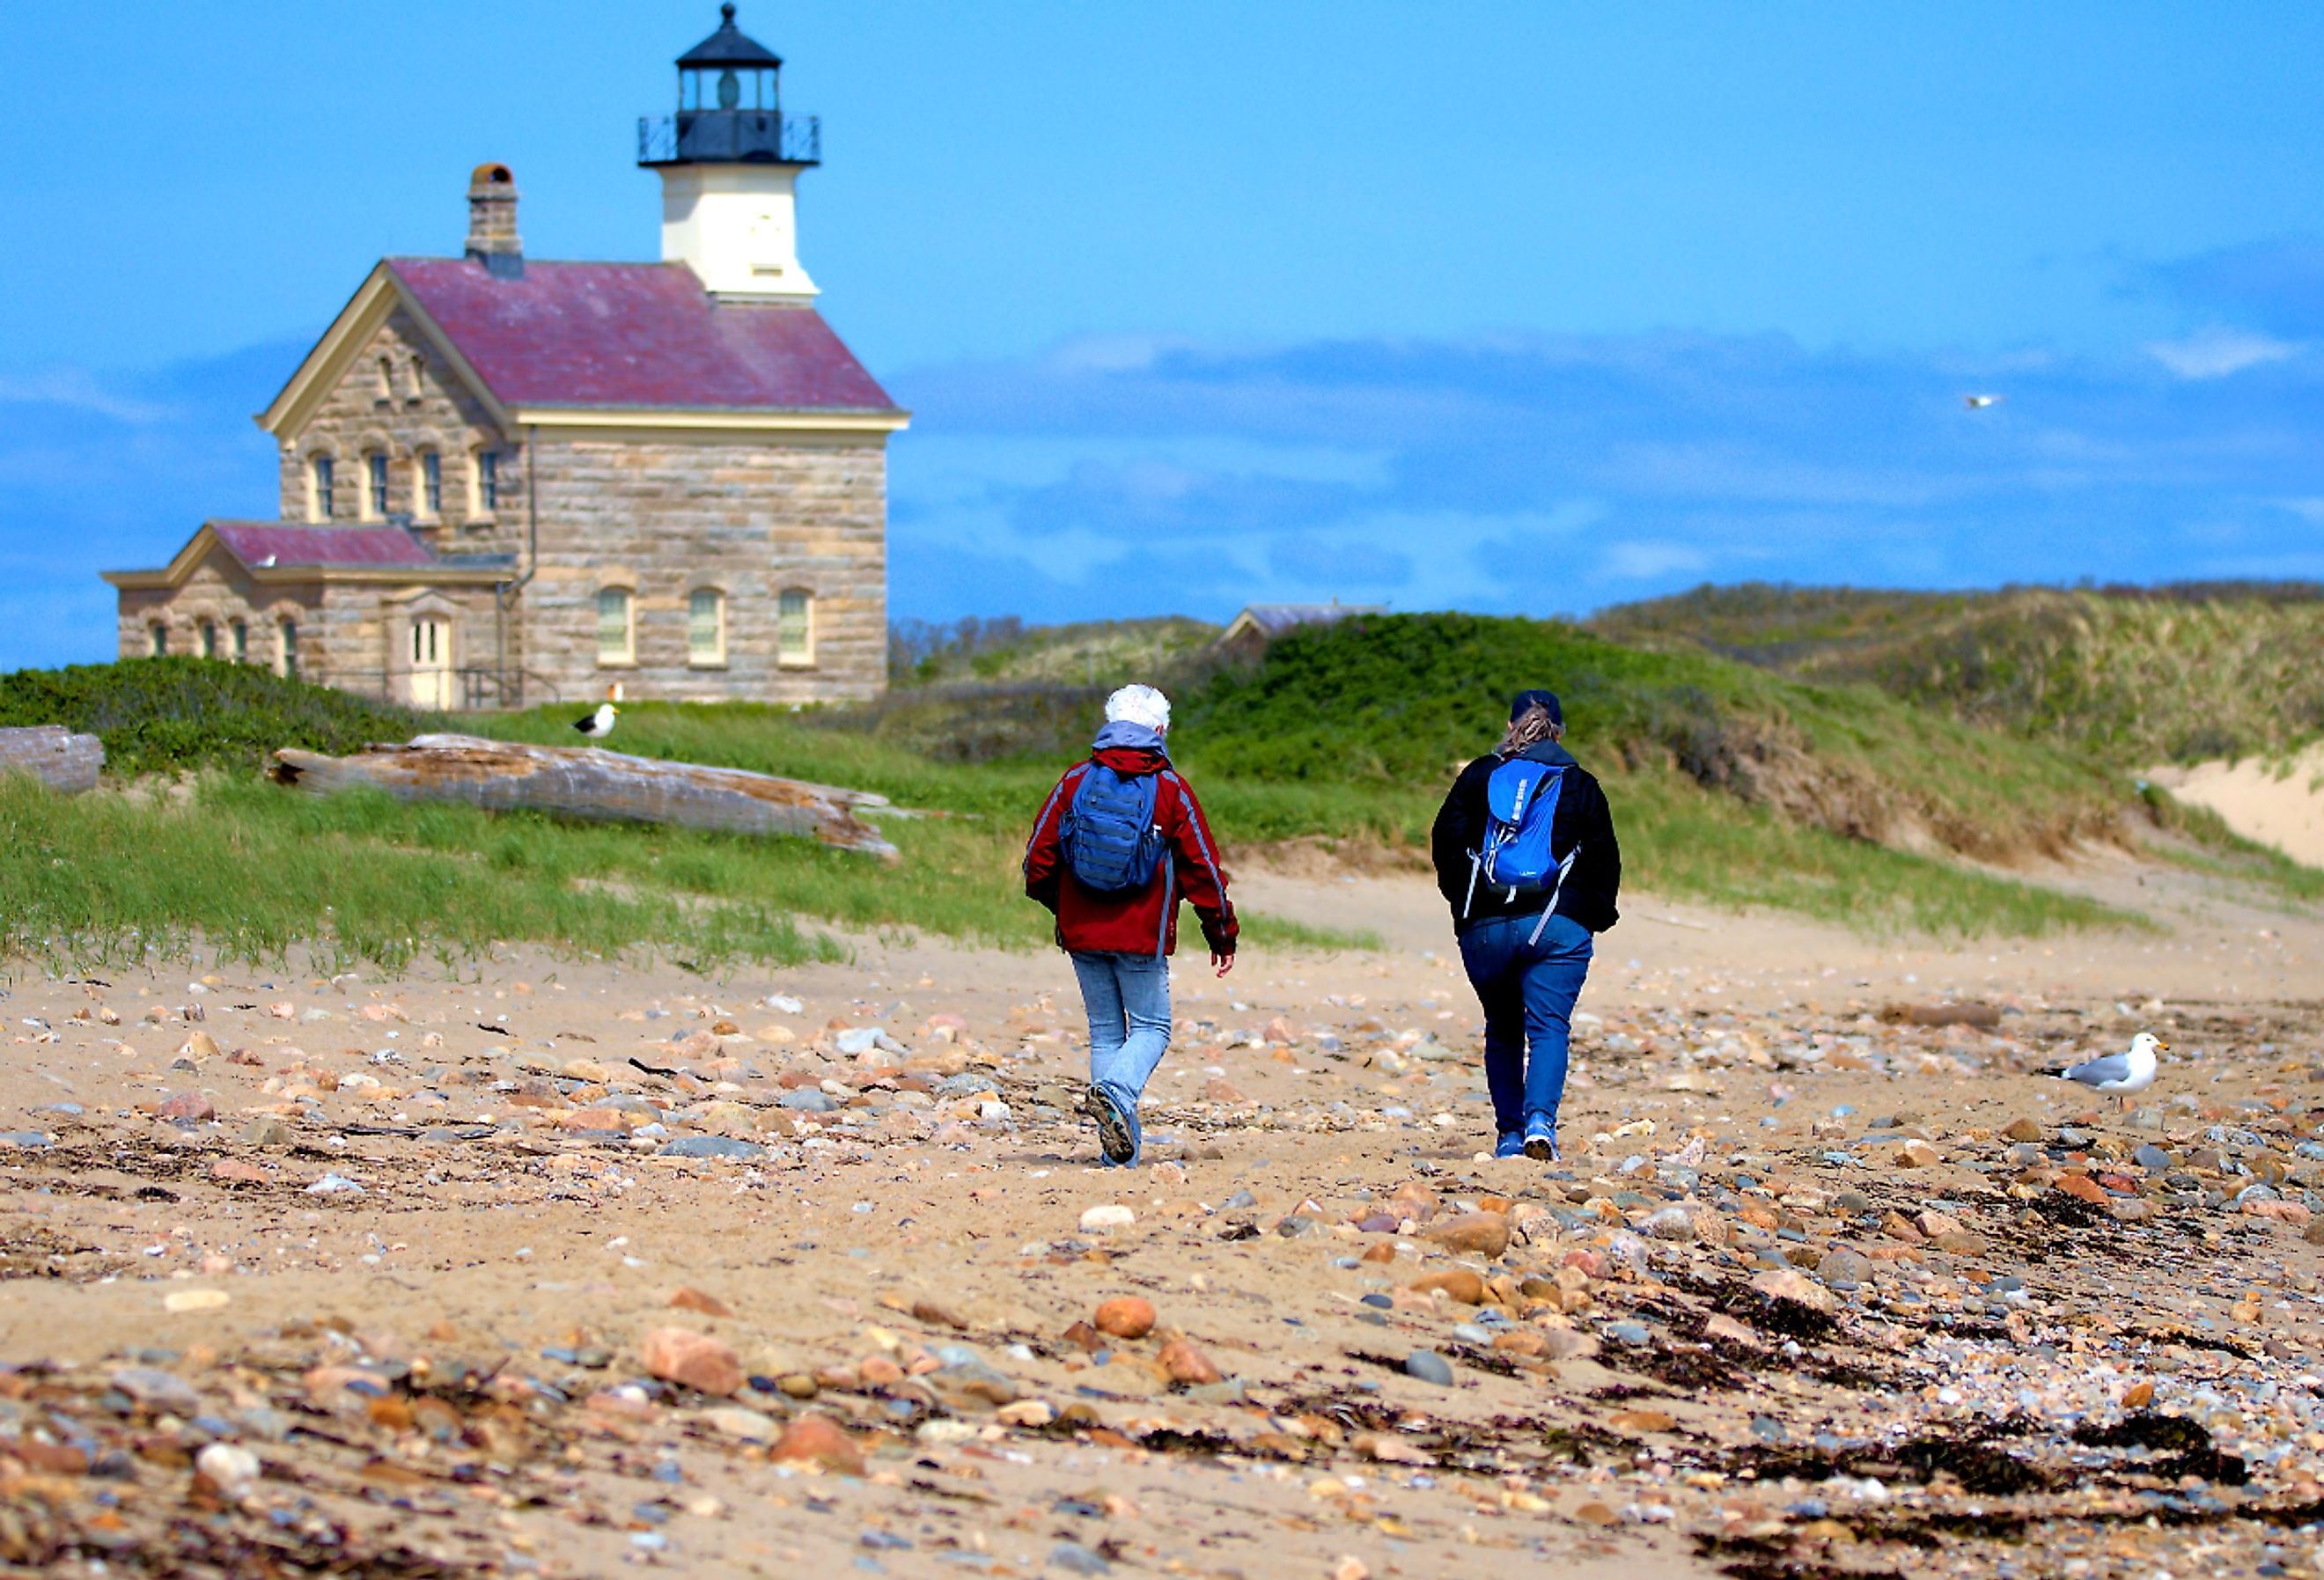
x=729 y=109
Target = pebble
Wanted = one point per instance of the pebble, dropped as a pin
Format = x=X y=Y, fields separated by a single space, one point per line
x=808 y=1100
x=1428 y=1366
x=1077 y=1559
x=187 y=1107
x=1671 y=1223
x=818 y=1440
x=1844 y=1267
x=695 y=1360
x=229 y=1465
x=1186 y=1363
x=1126 y=1316
x=22 y=1138
x=336 y=1185
x=1629 y=1333
x=150 y=1385
x=1790 y=1284
x=714 y=1147
x=180 y=1301
x=1479 y=1234
x=1107 y=1216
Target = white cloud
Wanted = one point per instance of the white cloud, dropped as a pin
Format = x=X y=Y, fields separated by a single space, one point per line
x=77 y=389
x=2215 y=352
x=1650 y=560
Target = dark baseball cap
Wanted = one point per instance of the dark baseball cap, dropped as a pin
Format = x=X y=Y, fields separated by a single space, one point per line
x=1526 y=700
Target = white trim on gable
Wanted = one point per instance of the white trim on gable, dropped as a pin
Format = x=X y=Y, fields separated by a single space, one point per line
x=335 y=355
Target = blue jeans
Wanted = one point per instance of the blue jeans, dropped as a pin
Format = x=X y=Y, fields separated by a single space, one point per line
x=1127 y=998
x=1528 y=990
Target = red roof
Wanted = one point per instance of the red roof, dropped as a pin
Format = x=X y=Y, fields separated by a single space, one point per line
x=635 y=334
x=260 y=543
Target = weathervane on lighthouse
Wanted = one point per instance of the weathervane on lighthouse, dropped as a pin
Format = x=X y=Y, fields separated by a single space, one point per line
x=729 y=160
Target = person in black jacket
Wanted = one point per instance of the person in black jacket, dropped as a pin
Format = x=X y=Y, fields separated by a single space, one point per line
x=1526 y=949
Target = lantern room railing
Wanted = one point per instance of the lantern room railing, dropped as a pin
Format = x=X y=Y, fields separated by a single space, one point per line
x=719 y=136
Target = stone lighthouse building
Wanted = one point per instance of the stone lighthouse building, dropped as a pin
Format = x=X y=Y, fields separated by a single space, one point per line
x=508 y=480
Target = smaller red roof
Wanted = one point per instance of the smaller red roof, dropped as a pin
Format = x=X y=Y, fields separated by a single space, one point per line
x=635 y=334
x=259 y=544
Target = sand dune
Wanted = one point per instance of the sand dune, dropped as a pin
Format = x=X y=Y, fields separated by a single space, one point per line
x=2277 y=802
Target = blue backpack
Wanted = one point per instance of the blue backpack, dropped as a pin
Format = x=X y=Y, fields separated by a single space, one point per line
x=1521 y=810
x=1110 y=840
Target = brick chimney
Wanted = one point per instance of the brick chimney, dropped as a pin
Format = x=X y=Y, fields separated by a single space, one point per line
x=491 y=221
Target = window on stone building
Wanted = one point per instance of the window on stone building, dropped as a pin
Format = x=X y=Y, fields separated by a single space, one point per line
x=320 y=490
x=157 y=639
x=705 y=626
x=386 y=379
x=286 y=651
x=209 y=638
x=240 y=630
x=616 y=632
x=375 y=484
x=488 y=480
x=795 y=626
x=431 y=486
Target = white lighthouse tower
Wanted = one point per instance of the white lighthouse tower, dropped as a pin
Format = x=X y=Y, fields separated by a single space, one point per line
x=729 y=161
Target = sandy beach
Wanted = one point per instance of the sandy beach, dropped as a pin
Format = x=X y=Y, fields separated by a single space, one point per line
x=374 y=1277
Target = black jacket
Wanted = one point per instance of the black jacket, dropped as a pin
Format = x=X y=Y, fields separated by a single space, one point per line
x=1582 y=816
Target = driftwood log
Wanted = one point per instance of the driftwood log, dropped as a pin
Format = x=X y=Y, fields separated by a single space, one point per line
x=66 y=762
x=592 y=783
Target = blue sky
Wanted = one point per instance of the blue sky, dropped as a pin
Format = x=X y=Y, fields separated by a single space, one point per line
x=1529 y=306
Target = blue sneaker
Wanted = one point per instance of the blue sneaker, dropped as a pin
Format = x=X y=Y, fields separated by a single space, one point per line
x=1510 y=1145
x=1117 y=1132
x=1541 y=1141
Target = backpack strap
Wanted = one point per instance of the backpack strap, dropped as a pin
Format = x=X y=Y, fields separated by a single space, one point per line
x=1557 y=889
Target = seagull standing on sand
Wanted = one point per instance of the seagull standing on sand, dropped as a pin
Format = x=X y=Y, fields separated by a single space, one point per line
x=2119 y=1073
x=598 y=724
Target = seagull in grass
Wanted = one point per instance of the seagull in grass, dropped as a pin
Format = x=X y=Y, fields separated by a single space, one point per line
x=2119 y=1073
x=1979 y=403
x=600 y=724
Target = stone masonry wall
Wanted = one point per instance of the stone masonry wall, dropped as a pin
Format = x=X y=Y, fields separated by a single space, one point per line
x=218 y=593
x=664 y=516
x=400 y=400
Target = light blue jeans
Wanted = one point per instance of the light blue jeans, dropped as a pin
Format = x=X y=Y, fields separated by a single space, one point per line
x=1128 y=999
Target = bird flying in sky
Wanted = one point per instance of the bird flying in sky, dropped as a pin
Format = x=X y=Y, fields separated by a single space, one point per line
x=1979 y=403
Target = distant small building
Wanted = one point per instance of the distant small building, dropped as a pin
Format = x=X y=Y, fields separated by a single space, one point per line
x=1249 y=633
x=506 y=480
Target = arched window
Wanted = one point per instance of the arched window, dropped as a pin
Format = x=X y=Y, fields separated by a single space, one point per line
x=209 y=638
x=157 y=639
x=375 y=484
x=705 y=626
x=616 y=628
x=286 y=651
x=241 y=632
x=795 y=627
x=321 y=491
x=431 y=486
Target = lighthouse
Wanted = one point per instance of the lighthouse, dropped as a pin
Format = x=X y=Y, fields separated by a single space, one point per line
x=729 y=160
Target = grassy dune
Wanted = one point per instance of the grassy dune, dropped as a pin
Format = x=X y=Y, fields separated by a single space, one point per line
x=1732 y=783
x=2135 y=676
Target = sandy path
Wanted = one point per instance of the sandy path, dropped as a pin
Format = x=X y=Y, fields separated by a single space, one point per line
x=1623 y=1403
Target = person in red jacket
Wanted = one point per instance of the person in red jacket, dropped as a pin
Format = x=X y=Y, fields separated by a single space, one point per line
x=1120 y=936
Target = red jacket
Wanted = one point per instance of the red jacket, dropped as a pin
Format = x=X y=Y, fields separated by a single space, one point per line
x=1130 y=923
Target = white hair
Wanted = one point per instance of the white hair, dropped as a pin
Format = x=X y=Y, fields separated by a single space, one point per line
x=1138 y=705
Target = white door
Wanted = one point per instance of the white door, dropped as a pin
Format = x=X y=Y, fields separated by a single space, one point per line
x=431 y=662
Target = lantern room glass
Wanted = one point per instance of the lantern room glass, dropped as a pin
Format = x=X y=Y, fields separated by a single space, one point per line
x=726 y=87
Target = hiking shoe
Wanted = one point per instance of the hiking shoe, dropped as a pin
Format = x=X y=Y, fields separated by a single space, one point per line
x=1541 y=1141
x=1510 y=1145
x=1114 y=1136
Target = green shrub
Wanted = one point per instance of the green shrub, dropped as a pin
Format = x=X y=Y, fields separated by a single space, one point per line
x=170 y=715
